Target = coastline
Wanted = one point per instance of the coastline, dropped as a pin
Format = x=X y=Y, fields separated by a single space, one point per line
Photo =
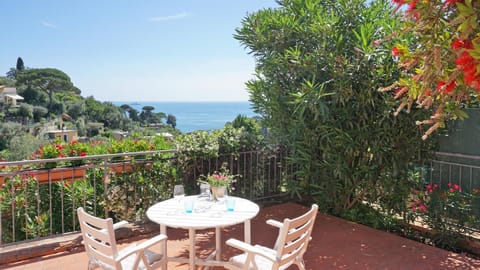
x=193 y=115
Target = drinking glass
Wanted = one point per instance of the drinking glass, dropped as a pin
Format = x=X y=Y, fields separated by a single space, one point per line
x=204 y=190
x=178 y=192
x=188 y=204
x=230 y=203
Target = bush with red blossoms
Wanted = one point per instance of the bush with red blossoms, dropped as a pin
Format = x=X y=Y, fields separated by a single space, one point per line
x=438 y=52
x=450 y=212
x=77 y=149
x=59 y=149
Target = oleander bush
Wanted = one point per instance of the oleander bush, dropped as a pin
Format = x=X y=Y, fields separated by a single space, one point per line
x=319 y=66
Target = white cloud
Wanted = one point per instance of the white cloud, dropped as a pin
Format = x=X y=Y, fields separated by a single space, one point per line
x=48 y=25
x=170 y=17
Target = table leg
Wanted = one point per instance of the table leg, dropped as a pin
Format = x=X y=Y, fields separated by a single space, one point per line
x=163 y=230
x=191 y=236
x=247 y=235
x=218 y=243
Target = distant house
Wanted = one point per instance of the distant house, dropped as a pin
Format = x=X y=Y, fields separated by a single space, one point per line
x=166 y=135
x=9 y=96
x=119 y=135
x=65 y=135
x=94 y=128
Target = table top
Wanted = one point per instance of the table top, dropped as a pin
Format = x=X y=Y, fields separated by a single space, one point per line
x=206 y=214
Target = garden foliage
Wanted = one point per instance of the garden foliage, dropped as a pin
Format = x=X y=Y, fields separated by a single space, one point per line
x=318 y=70
x=122 y=186
x=451 y=213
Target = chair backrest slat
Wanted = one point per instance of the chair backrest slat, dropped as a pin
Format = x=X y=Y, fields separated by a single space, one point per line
x=98 y=235
x=295 y=233
x=102 y=248
x=291 y=246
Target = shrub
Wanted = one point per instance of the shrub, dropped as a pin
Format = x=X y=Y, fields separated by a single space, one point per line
x=18 y=205
x=447 y=212
x=319 y=68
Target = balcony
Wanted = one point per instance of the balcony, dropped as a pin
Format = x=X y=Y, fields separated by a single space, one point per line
x=337 y=244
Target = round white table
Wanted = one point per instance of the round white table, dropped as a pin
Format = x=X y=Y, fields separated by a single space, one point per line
x=206 y=214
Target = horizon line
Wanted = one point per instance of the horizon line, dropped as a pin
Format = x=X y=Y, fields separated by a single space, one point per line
x=179 y=101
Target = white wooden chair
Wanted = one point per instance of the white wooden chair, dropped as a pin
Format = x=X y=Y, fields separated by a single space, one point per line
x=292 y=242
x=101 y=247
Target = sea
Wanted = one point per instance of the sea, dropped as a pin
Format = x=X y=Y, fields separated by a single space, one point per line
x=193 y=116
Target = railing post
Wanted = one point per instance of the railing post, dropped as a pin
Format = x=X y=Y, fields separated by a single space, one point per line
x=105 y=186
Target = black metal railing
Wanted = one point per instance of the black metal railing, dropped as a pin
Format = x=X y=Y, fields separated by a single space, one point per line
x=38 y=202
x=448 y=170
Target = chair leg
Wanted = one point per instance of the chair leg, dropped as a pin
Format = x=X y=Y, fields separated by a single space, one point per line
x=91 y=265
x=301 y=265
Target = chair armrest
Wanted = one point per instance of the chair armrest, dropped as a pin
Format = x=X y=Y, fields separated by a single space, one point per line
x=275 y=223
x=240 y=245
x=141 y=247
x=249 y=249
x=152 y=241
x=120 y=224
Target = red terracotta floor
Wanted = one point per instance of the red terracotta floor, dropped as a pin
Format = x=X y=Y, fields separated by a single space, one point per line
x=336 y=244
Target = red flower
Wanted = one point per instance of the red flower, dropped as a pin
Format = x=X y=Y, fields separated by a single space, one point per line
x=464 y=59
x=446 y=88
x=413 y=5
x=457 y=44
x=399 y=2
x=470 y=77
x=470 y=69
x=396 y=51
x=431 y=188
x=82 y=154
x=462 y=44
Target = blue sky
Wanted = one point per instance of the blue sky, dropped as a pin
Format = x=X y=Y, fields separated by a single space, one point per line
x=120 y=50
